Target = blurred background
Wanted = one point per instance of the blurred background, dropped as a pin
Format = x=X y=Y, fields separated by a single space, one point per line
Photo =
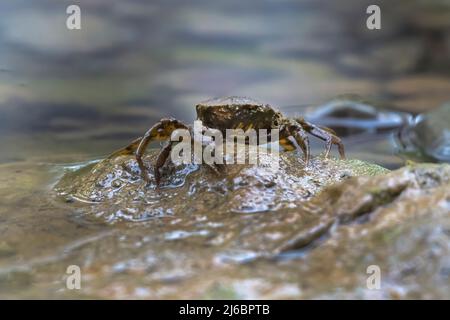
x=89 y=91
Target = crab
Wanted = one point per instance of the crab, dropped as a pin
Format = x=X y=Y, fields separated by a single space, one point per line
x=233 y=113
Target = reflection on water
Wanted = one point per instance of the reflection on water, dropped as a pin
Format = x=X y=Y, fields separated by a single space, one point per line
x=68 y=96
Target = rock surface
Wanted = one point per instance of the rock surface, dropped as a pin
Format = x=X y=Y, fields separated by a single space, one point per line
x=191 y=244
x=293 y=232
x=114 y=186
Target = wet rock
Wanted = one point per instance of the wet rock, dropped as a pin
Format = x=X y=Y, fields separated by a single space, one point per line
x=398 y=222
x=429 y=135
x=315 y=246
x=116 y=189
x=245 y=212
x=361 y=196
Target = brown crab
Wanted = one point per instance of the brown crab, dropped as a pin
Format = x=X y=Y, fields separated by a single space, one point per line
x=234 y=113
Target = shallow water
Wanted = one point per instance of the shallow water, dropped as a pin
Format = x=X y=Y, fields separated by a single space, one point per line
x=70 y=97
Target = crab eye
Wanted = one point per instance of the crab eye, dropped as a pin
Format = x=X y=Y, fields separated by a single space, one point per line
x=275 y=122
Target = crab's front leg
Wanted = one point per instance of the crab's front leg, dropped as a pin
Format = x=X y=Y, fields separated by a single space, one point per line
x=293 y=136
x=160 y=161
x=326 y=134
x=128 y=150
x=161 y=131
x=215 y=167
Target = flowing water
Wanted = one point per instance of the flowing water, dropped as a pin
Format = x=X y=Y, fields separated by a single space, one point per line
x=70 y=97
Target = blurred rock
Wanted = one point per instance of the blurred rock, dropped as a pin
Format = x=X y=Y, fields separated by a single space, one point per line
x=429 y=135
x=352 y=115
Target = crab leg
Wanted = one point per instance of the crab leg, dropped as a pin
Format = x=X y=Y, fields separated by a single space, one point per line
x=160 y=131
x=325 y=134
x=302 y=140
x=160 y=161
x=295 y=138
x=128 y=150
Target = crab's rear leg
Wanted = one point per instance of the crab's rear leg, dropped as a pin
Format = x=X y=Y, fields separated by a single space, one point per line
x=161 y=131
x=326 y=134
